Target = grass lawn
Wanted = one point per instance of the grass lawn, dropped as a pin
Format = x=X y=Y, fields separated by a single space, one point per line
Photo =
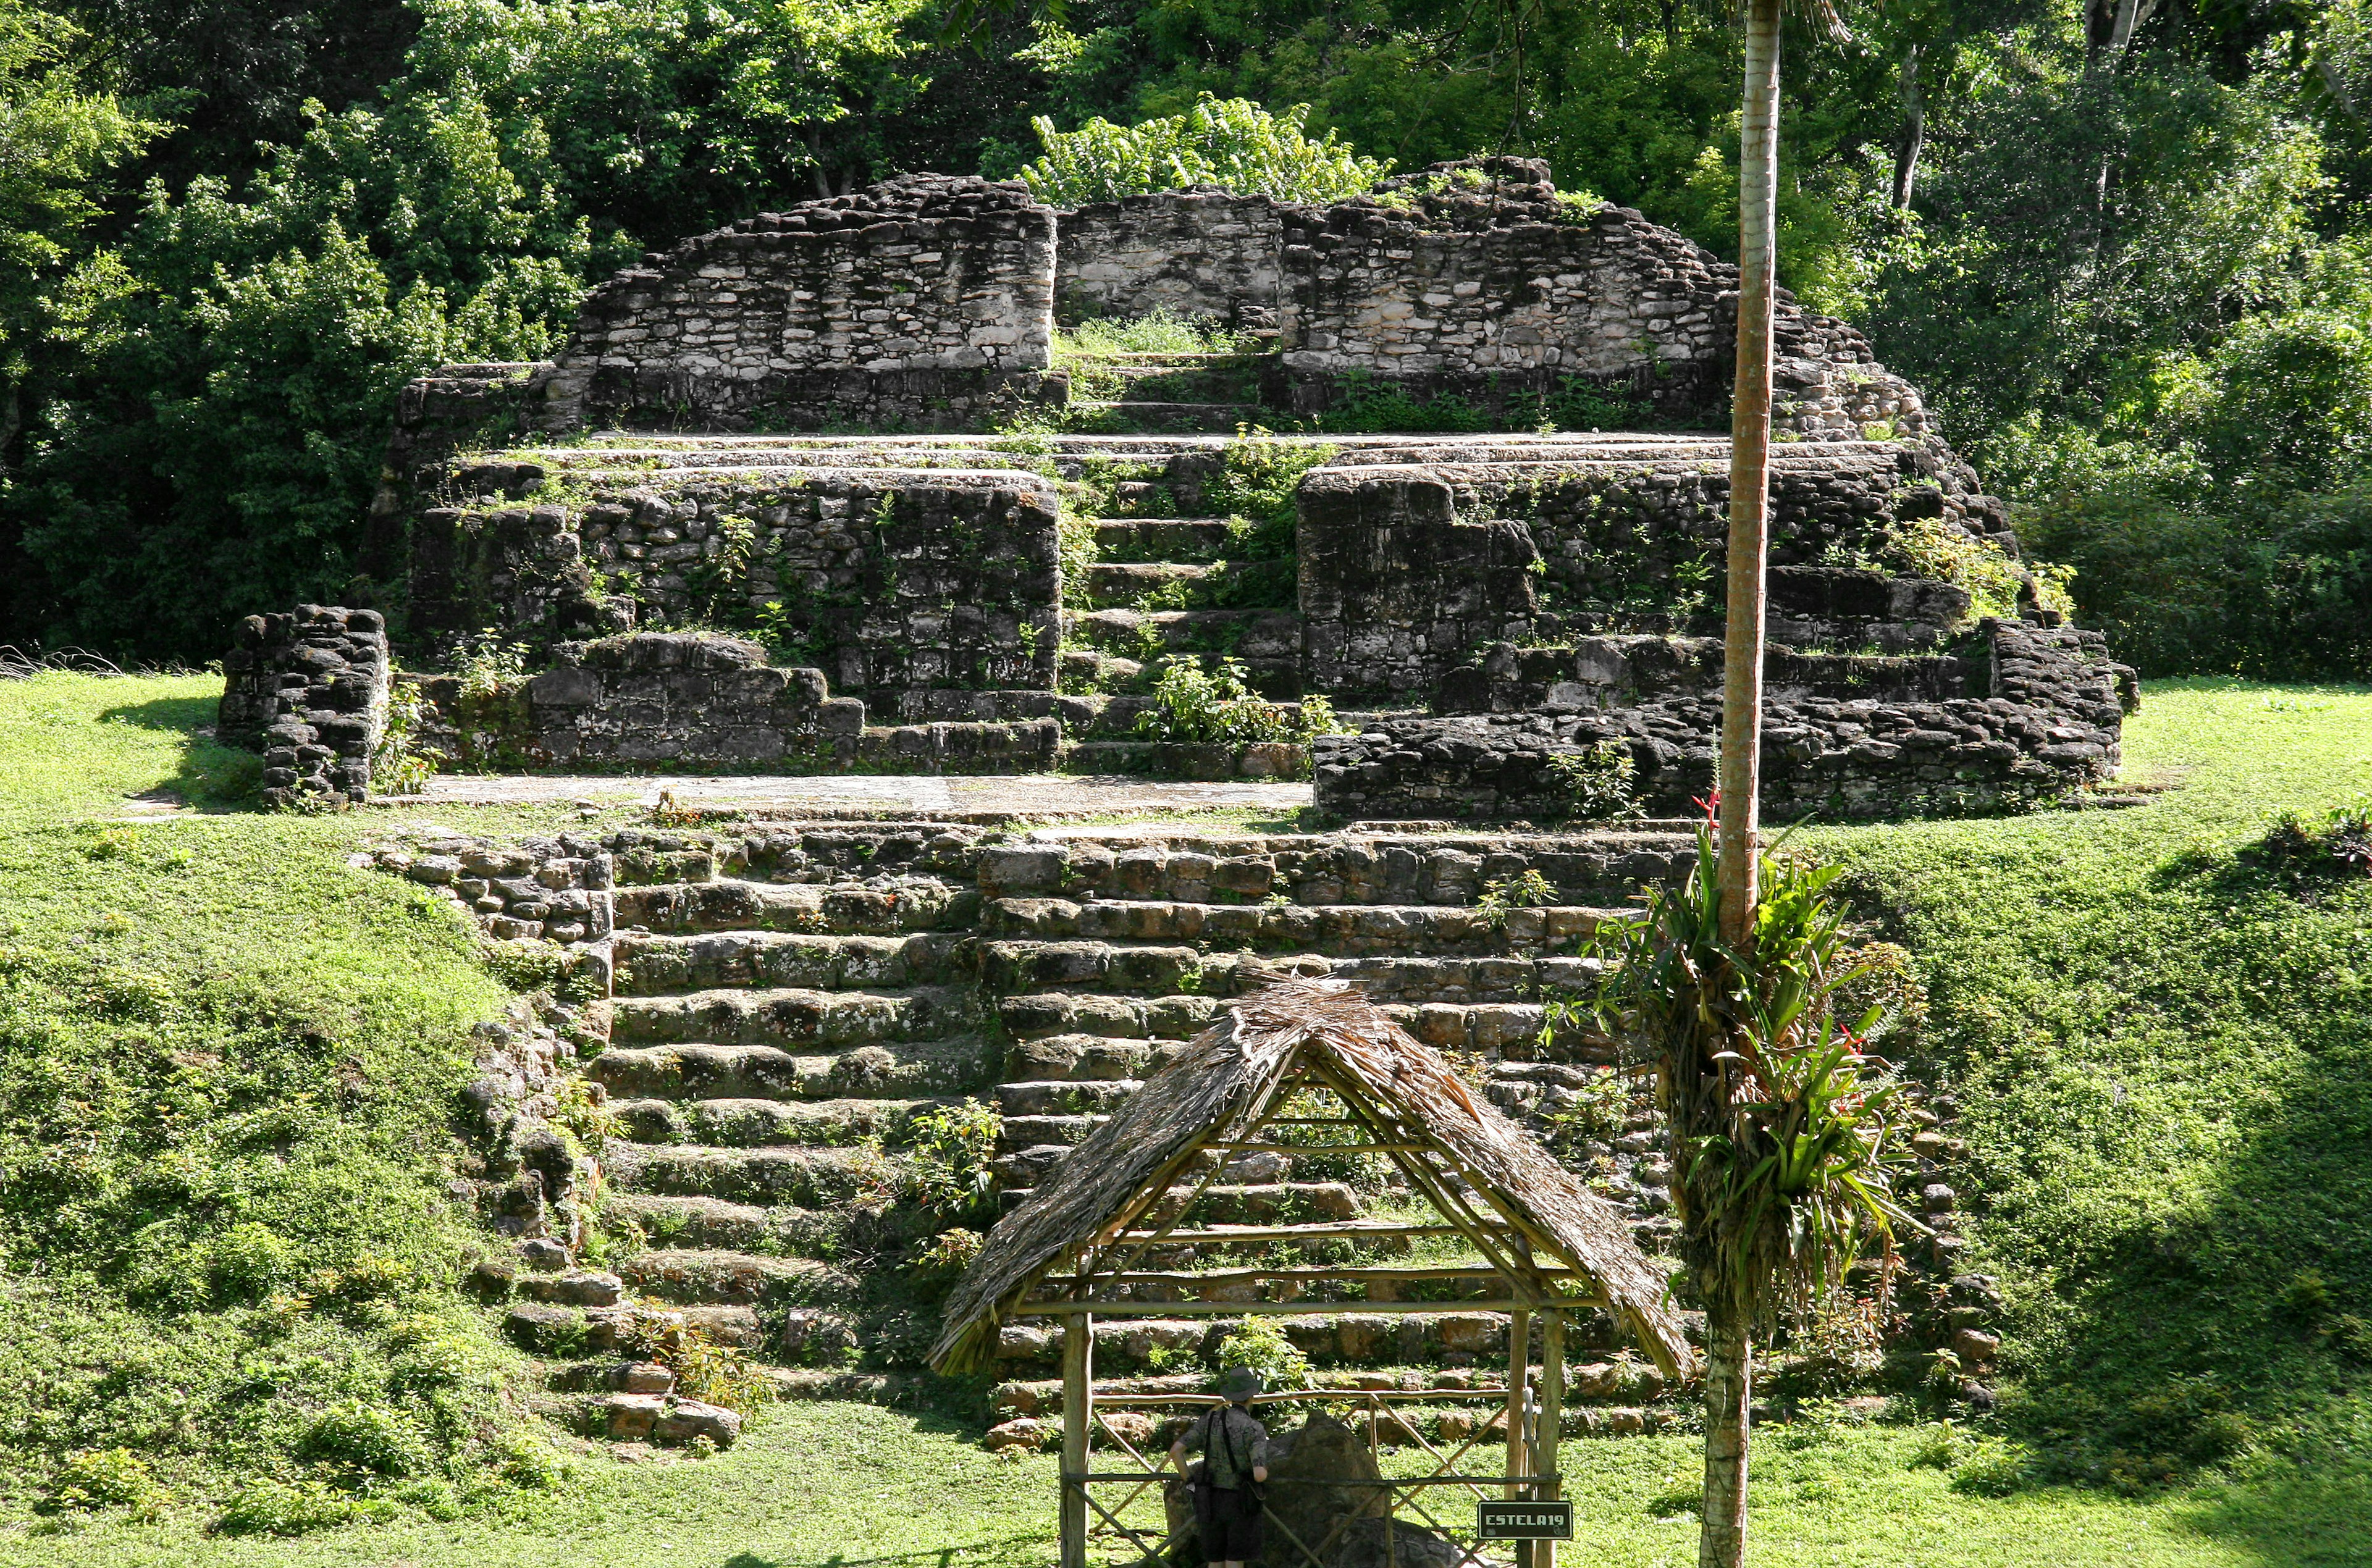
x=2162 y=1045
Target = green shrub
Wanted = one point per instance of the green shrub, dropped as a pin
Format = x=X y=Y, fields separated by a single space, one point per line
x=370 y=1438
x=1597 y=784
x=949 y=1169
x=1995 y=1470
x=1500 y=898
x=108 y=1478
x=1259 y=1344
x=280 y=1508
x=1231 y=143
x=1193 y=706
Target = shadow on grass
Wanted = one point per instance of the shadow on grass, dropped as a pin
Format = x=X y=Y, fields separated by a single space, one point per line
x=2317 y=1514
x=936 y=1557
x=2237 y=1319
x=208 y=776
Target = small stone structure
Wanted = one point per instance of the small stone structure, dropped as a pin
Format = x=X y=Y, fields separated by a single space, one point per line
x=308 y=690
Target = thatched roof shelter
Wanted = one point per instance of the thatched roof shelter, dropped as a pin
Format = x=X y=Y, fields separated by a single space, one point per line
x=1540 y=1228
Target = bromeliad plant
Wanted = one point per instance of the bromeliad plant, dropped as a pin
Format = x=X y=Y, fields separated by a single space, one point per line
x=1786 y=1135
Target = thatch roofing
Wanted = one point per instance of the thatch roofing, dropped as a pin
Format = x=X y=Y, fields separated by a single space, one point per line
x=1220 y=1087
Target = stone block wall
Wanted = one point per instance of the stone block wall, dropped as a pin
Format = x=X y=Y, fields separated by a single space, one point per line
x=681 y=700
x=1478 y=279
x=1597 y=673
x=884 y=580
x=1398 y=590
x=1394 y=587
x=308 y=689
x=2037 y=712
x=918 y=292
x=1205 y=253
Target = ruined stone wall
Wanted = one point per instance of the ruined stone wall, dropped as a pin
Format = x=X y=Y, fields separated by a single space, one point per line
x=308 y=689
x=926 y=295
x=1479 y=280
x=2037 y=712
x=883 y=580
x=1396 y=597
x=1206 y=253
x=682 y=700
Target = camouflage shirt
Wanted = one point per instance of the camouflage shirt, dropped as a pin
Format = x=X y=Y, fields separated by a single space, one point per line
x=1232 y=1442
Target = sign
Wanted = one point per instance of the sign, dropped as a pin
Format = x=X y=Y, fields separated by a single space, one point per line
x=1523 y=1521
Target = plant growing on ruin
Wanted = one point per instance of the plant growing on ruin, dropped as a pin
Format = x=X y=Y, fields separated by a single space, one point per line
x=949 y=1167
x=398 y=763
x=1930 y=547
x=1231 y=143
x=1260 y=1345
x=1504 y=896
x=1194 y=706
x=1597 y=784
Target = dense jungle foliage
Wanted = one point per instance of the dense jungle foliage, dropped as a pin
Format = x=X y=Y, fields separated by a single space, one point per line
x=2117 y=241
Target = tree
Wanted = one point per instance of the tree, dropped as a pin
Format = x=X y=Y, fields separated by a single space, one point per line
x=1784 y=1131
x=56 y=138
x=1234 y=144
x=1710 y=1044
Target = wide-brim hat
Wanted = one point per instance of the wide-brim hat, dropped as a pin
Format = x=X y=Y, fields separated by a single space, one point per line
x=1240 y=1383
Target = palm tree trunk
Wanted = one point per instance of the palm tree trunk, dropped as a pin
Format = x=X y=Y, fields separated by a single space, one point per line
x=1729 y=1389
x=1749 y=474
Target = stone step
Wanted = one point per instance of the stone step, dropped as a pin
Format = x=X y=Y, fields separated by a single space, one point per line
x=811 y=1179
x=659 y=965
x=905 y=1071
x=1056 y=1096
x=793 y=851
x=1255 y=636
x=695 y=1223
x=1072 y=1037
x=1345 y=930
x=1334 y=869
x=755 y=1123
x=567 y=1330
x=891 y=907
x=1039 y=1014
x=795 y=1016
x=1148 y=414
x=1163 y=539
x=1011 y=968
x=1123 y=584
x=686 y=1277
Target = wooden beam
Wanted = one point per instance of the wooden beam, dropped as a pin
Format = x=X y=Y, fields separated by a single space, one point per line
x=1544 y=1450
x=1316 y=1149
x=1256 y=1308
x=1078 y=1410
x=1519 y=1360
x=1328 y=1230
x=1319 y=1272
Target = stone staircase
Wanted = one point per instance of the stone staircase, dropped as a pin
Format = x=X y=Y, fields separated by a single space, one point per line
x=787 y=998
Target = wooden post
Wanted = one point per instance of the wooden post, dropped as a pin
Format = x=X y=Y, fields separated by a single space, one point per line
x=1519 y=1360
x=1079 y=1392
x=1544 y=1448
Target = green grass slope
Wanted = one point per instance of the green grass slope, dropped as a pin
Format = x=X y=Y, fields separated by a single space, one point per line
x=227 y=1066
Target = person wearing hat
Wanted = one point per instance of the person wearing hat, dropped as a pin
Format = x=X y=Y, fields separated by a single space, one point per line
x=1234 y=1446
